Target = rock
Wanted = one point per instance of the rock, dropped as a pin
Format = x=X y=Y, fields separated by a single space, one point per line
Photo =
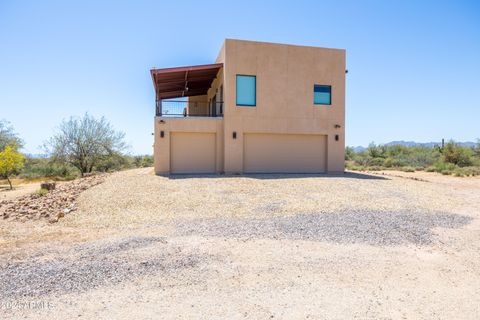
x=53 y=220
x=50 y=185
x=54 y=205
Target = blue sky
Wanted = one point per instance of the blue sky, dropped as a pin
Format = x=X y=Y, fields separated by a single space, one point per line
x=414 y=66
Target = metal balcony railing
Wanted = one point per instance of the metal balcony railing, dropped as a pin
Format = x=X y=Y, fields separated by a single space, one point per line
x=172 y=108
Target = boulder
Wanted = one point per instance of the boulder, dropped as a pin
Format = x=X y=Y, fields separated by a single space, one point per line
x=48 y=185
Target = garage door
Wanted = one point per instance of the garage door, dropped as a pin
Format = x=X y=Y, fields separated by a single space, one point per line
x=192 y=152
x=289 y=153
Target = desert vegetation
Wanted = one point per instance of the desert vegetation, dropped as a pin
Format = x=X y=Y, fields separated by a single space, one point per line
x=80 y=145
x=449 y=159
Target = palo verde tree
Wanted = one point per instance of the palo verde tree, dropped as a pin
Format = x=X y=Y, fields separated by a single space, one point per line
x=85 y=142
x=11 y=162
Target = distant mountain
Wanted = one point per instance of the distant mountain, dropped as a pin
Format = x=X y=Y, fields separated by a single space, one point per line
x=36 y=155
x=416 y=144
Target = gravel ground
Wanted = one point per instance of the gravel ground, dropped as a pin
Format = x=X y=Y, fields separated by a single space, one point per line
x=251 y=247
x=88 y=266
x=369 y=227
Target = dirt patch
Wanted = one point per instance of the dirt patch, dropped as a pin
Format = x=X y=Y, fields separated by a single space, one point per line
x=18 y=190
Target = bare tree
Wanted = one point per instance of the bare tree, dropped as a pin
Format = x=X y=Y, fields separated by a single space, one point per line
x=85 y=142
x=8 y=137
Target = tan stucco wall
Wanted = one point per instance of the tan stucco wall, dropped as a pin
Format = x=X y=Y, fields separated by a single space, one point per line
x=201 y=108
x=285 y=75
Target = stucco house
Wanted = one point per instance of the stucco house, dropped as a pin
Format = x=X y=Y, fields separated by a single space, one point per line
x=260 y=108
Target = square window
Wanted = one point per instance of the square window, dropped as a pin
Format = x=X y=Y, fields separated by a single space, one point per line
x=322 y=94
x=246 y=90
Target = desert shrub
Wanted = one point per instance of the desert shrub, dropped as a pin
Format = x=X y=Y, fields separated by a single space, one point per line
x=392 y=162
x=349 y=153
x=446 y=172
x=376 y=151
x=408 y=169
x=471 y=171
x=351 y=165
x=376 y=162
x=43 y=167
x=142 y=161
x=444 y=166
x=444 y=160
x=461 y=156
x=113 y=162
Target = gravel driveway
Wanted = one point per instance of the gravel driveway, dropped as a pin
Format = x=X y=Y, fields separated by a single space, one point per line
x=251 y=247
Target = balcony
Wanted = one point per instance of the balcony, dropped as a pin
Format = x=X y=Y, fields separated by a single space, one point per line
x=190 y=85
x=179 y=108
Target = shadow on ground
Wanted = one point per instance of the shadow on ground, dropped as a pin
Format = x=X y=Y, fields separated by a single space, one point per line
x=273 y=176
x=367 y=227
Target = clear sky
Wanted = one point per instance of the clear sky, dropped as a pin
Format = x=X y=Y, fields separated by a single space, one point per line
x=414 y=66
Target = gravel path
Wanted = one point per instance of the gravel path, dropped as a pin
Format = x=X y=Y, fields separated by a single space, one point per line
x=355 y=246
x=92 y=265
x=369 y=227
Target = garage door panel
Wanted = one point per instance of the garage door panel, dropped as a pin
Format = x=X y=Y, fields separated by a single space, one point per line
x=289 y=153
x=192 y=152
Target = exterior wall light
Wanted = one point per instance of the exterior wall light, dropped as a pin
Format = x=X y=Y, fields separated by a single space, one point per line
x=234 y=135
x=337 y=126
x=162 y=134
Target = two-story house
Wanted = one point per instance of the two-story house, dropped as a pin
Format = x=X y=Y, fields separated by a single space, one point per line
x=260 y=108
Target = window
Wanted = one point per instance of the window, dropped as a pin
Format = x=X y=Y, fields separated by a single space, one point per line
x=246 y=90
x=322 y=94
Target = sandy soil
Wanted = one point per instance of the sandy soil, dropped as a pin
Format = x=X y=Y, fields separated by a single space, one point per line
x=364 y=246
x=18 y=190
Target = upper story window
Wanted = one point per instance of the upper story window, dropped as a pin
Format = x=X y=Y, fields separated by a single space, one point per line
x=246 y=90
x=322 y=94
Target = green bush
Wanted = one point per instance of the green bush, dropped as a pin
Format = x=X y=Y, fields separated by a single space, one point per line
x=461 y=156
x=42 y=167
x=41 y=192
x=376 y=162
x=446 y=172
x=114 y=162
x=444 y=166
x=447 y=160
x=142 y=161
x=471 y=171
x=37 y=168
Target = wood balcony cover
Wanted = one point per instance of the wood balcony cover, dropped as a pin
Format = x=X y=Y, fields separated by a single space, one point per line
x=184 y=81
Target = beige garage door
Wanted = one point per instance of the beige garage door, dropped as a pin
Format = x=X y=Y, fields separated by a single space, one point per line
x=192 y=152
x=289 y=153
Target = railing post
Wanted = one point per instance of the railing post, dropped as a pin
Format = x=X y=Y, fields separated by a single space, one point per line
x=159 y=108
